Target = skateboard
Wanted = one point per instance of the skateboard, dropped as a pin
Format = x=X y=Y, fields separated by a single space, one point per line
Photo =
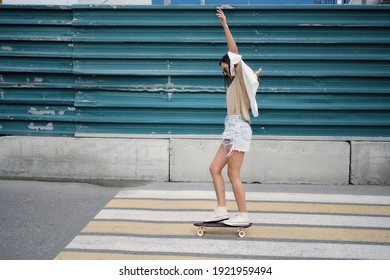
x=202 y=228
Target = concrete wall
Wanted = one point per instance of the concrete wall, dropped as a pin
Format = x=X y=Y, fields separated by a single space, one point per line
x=84 y=158
x=177 y=159
x=370 y=163
x=297 y=162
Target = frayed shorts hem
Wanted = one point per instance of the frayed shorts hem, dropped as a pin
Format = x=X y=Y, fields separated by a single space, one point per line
x=237 y=135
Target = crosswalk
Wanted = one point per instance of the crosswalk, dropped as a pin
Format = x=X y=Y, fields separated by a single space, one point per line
x=158 y=224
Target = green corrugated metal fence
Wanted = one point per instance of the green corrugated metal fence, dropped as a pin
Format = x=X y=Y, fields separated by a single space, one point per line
x=154 y=70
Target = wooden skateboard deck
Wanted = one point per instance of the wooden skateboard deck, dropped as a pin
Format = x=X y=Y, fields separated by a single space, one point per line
x=202 y=228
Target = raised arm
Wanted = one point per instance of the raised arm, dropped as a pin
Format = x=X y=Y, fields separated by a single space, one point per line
x=232 y=47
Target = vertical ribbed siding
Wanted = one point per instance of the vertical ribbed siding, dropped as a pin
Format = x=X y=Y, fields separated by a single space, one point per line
x=154 y=70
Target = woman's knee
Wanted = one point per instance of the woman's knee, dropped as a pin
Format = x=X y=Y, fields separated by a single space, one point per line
x=214 y=170
x=233 y=174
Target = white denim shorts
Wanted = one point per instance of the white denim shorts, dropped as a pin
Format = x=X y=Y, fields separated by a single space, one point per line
x=237 y=135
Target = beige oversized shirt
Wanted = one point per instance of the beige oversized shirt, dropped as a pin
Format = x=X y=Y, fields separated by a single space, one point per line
x=236 y=97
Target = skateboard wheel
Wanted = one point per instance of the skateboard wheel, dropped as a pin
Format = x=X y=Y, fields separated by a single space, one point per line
x=241 y=233
x=200 y=232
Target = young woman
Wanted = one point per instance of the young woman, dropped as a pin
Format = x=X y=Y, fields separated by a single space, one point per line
x=242 y=85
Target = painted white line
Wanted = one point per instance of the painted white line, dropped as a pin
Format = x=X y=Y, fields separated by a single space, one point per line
x=261 y=218
x=203 y=246
x=258 y=196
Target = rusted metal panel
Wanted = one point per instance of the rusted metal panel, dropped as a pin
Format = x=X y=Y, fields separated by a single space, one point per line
x=154 y=70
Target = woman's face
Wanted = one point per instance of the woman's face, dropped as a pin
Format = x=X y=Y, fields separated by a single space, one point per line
x=225 y=69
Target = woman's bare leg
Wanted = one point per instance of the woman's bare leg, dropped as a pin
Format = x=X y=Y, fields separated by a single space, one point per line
x=216 y=167
x=234 y=169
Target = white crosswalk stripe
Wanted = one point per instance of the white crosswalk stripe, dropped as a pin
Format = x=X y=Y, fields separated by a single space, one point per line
x=258 y=218
x=259 y=196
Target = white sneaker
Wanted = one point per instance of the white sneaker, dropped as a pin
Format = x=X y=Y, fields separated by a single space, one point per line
x=220 y=214
x=241 y=219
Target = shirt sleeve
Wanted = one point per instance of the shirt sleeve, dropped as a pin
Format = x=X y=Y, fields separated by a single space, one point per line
x=251 y=85
x=234 y=59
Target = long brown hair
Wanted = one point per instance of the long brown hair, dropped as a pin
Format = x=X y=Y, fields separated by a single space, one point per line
x=227 y=79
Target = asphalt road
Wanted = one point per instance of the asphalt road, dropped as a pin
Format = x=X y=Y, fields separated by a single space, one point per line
x=38 y=219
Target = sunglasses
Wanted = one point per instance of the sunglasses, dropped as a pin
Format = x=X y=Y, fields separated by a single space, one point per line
x=225 y=71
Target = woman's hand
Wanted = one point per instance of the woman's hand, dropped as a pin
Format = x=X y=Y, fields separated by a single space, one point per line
x=222 y=17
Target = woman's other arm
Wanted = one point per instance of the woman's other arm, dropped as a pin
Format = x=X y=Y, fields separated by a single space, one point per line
x=232 y=47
